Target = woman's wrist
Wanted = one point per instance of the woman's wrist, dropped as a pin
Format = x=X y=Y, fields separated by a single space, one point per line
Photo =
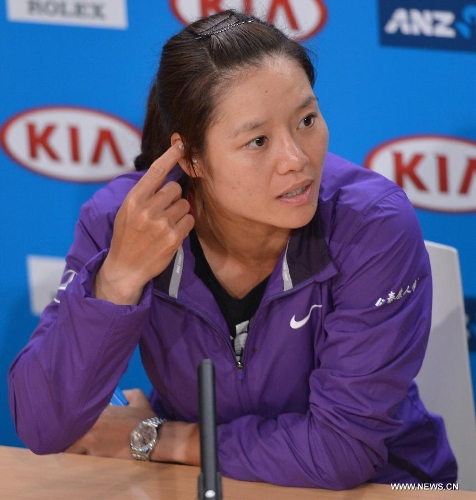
x=178 y=442
x=116 y=290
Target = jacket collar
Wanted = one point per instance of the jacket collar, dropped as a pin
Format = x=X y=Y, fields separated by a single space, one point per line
x=307 y=255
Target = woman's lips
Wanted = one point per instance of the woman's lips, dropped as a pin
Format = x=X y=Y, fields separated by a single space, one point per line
x=297 y=196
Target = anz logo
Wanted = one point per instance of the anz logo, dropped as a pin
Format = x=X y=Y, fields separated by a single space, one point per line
x=445 y=25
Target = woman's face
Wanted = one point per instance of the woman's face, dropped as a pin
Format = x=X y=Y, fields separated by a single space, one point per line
x=265 y=151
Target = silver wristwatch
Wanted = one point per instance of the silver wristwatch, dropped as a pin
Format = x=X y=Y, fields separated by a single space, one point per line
x=144 y=437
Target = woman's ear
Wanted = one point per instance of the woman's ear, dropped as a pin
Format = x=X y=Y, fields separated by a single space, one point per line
x=192 y=169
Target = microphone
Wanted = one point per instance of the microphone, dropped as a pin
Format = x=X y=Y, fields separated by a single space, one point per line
x=209 y=480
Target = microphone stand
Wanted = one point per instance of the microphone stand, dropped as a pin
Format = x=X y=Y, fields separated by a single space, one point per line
x=209 y=480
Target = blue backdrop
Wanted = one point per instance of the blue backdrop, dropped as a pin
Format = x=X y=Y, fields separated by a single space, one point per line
x=396 y=84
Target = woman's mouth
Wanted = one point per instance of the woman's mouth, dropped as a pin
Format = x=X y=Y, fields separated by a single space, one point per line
x=294 y=193
x=297 y=196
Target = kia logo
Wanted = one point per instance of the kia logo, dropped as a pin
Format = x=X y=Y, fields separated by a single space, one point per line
x=300 y=19
x=71 y=143
x=437 y=172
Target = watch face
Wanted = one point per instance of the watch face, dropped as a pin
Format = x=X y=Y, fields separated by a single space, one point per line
x=143 y=437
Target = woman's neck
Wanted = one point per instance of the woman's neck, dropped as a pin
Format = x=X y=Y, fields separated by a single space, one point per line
x=248 y=242
x=240 y=253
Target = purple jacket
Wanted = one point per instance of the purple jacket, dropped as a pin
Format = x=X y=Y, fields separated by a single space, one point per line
x=325 y=398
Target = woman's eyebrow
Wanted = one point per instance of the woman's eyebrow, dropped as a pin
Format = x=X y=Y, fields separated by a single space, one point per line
x=252 y=125
x=247 y=127
x=310 y=99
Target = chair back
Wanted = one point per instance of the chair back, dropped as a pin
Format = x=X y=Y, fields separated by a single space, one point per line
x=444 y=381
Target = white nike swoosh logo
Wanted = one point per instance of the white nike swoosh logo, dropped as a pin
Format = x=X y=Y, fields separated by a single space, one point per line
x=297 y=324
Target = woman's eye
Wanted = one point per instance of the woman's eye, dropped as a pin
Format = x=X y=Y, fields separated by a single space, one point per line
x=308 y=121
x=257 y=143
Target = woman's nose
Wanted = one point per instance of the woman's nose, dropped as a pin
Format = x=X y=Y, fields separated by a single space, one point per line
x=290 y=156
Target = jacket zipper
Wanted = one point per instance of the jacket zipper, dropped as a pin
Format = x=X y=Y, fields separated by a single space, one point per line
x=262 y=305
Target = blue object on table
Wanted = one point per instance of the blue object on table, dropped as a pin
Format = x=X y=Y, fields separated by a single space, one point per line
x=118 y=398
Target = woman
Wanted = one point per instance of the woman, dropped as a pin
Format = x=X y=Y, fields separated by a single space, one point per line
x=302 y=276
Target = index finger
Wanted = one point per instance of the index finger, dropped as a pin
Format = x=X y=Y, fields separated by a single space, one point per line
x=153 y=179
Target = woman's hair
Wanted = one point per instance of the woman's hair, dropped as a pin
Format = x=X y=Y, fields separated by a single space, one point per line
x=196 y=66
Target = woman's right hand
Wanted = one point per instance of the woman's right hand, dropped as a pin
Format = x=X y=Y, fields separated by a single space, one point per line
x=149 y=228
